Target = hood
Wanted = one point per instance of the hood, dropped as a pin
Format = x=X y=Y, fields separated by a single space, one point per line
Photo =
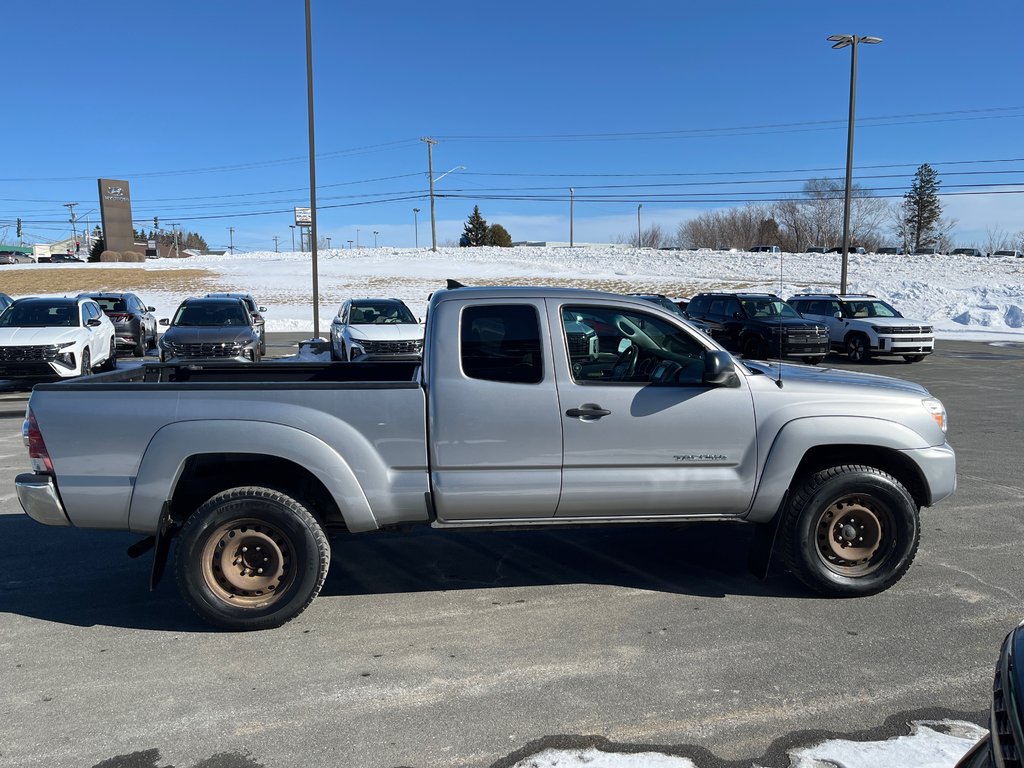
x=889 y=322
x=27 y=337
x=386 y=332
x=209 y=335
x=816 y=376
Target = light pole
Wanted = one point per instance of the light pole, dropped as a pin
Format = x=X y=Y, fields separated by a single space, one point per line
x=841 y=41
x=275 y=238
x=292 y=227
x=639 y=239
x=375 y=233
x=350 y=245
x=572 y=203
x=416 y=225
x=357 y=238
x=328 y=243
x=231 y=236
x=312 y=170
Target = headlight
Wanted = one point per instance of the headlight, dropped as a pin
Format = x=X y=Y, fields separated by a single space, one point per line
x=882 y=329
x=935 y=407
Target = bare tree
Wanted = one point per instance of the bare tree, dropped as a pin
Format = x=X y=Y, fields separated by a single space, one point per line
x=653 y=237
x=997 y=239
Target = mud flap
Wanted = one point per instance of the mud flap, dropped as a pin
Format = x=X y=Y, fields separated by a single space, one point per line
x=759 y=559
x=164 y=534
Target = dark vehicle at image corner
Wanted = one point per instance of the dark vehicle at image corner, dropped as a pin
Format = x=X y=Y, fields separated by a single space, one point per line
x=134 y=322
x=760 y=326
x=1004 y=745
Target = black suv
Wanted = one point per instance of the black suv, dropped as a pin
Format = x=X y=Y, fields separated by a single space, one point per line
x=760 y=325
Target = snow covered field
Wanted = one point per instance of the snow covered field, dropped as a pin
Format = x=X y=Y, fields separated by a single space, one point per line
x=963 y=297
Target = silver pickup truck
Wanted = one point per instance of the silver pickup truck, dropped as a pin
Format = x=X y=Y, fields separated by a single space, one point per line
x=531 y=407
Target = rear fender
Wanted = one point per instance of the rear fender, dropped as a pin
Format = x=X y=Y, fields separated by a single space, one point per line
x=169 y=450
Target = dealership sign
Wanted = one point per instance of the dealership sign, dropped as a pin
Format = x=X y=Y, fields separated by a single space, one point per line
x=303 y=217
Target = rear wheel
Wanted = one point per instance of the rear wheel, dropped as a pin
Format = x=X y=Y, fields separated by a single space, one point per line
x=251 y=558
x=111 y=362
x=857 y=348
x=140 y=344
x=850 y=531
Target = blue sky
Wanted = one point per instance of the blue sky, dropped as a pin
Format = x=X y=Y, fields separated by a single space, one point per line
x=680 y=106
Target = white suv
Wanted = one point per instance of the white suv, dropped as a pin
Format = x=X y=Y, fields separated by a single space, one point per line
x=55 y=337
x=864 y=326
x=375 y=329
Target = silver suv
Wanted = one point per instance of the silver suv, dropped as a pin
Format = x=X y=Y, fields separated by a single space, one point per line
x=864 y=326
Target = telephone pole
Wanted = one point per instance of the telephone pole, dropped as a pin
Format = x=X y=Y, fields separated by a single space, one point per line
x=275 y=238
x=73 y=219
x=572 y=204
x=231 y=235
x=430 y=175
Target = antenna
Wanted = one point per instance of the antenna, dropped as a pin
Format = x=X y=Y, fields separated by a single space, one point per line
x=782 y=330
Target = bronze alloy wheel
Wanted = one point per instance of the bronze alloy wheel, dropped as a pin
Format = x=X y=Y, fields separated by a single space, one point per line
x=849 y=533
x=248 y=563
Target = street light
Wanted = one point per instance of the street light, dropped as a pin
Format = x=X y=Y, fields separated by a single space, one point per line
x=416 y=225
x=328 y=242
x=572 y=203
x=639 y=239
x=841 y=41
x=375 y=233
x=350 y=245
x=292 y=226
x=357 y=238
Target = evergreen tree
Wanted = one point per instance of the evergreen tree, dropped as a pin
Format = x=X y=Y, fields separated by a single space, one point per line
x=99 y=245
x=474 y=233
x=498 y=235
x=922 y=211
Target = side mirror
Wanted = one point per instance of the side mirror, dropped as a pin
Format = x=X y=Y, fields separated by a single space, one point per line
x=151 y=309
x=165 y=321
x=92 y=321
x=737 y=315
x=261 y=309
x=837 y=315
x=719 y=370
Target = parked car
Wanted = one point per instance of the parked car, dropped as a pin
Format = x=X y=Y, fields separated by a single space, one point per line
x=15 y=257
x=64 y=258
x=1003 y=745
x=858 y=249
x=966 y=252
x=134 y=322
x=815 y=249
x=5 y=301
x=210 y=329
x=253 y=467
x=1010 y=254
x=765 y=249
x=760 y=325
x=890 y=250
x=375 y=329
x=662 y=301
x=927 y=250
x=54 y=338
x=863 y=326
x=255 y=310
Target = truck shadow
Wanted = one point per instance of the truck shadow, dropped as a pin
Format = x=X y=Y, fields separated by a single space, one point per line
x=84 y=578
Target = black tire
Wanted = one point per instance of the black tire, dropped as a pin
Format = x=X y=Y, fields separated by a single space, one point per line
x=753 y=348
x=86 y=369
x=140 y=344
x=228 y=589
x=263 y=344
x=832 y=513
x=814 y=359
x=111 y=362
x=913 y=358
x=858 y=349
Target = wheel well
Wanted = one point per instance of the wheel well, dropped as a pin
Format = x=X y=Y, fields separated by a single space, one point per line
x=895 y=463
x=207 y=474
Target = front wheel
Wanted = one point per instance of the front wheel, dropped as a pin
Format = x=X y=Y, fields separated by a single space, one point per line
x=814 y=359
x=86 y=369
x=857 y=349
x=913 y=358
x=850 y=531
x=753 y=348
x=251 y=558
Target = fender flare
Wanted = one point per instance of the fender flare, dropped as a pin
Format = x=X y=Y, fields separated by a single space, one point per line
x=800 y=435
x=172 y=445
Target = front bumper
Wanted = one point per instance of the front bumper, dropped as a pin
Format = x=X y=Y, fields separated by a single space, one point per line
x=938 y=465
x=40 y=500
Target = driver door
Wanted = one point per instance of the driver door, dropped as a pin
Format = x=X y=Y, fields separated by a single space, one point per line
x=642 y=435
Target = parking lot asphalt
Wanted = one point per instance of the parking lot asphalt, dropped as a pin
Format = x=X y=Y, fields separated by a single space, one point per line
x=436 y=648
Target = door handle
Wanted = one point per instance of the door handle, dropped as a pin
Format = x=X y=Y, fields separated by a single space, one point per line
x=587 y=412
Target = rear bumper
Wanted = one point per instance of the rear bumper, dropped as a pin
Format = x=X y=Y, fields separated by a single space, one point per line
x=40 y=500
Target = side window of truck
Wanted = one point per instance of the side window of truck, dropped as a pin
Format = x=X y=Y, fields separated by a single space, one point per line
x=501 y=342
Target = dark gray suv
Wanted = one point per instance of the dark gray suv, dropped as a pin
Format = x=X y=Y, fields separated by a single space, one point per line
x=211 y=329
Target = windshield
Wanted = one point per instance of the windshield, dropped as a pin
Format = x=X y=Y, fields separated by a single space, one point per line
x=767 y=308
x=38 y=315
x=869 y=308
x=379 y=313
x=665 y=303
x=210 y=315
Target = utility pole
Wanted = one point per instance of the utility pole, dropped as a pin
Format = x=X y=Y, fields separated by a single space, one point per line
x=312 y=170
x=430 y=174
x=416 y=225
x=639 y=237
x=231 y=234
x=275 y=238
x=357 y=238
x=375 y=233
x=293 y=236
x=73 y=219
x=572 y=203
